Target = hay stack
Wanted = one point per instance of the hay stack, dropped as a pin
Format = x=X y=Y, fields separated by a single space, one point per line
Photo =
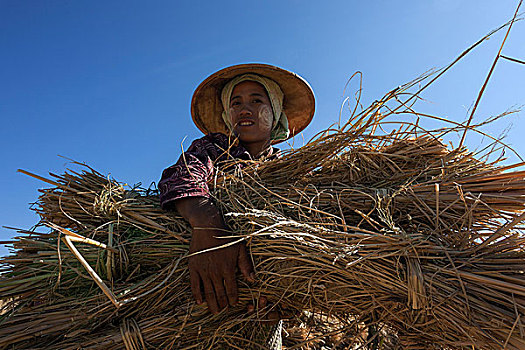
x=390 y=239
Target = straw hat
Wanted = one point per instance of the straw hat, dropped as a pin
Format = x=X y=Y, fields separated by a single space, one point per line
x=299 y=100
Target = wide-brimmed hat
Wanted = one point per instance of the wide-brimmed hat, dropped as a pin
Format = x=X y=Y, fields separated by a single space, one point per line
x=298 y=104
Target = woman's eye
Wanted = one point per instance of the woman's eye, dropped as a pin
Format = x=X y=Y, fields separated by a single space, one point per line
x=257 y=101
x=235 y=103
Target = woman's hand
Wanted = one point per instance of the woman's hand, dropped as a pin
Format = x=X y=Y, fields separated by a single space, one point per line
x=212 y=273
x=265 y=311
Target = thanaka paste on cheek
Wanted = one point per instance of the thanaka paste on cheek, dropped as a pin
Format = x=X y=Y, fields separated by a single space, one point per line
x=265 y=118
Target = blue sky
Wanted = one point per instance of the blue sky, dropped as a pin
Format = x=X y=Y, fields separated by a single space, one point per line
x=109 y=83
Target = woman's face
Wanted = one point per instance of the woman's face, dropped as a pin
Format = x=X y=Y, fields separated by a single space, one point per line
x=251 y=112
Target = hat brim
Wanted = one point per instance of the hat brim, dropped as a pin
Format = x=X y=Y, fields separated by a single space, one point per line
x=298 y=104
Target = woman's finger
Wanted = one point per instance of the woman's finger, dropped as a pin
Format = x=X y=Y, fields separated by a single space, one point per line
x=272 y=317
x=245 y=264
x=250 y=309
x=231 y=289
x=262 y=302
x=220 y=293
x=195 y=282
x=209 y=294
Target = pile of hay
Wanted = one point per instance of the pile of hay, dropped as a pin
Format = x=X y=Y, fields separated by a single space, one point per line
x=395 y=232
x=369 y=235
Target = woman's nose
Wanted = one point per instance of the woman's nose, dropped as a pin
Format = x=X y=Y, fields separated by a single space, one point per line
x=245 y=111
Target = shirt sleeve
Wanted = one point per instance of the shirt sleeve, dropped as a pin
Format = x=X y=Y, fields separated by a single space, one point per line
x=189 y=176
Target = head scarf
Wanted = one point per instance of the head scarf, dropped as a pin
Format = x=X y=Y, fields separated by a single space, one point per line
x=280 y=130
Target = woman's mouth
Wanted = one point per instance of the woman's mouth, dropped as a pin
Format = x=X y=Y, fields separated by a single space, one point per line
x=245 y=123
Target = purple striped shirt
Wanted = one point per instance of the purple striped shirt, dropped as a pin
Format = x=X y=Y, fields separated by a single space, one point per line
x=189 y=177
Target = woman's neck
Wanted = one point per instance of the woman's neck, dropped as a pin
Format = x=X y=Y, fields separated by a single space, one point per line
x=257 y=149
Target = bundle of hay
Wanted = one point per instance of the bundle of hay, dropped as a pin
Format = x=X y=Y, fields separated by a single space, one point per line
x=394 y=232
x=367 y=235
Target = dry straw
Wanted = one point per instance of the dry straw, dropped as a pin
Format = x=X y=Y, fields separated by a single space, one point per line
x=374 y=234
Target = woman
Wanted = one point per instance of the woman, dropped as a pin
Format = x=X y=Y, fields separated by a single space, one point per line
x=242 y=110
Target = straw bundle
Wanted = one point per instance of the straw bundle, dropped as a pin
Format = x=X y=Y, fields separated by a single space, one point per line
x=369 y=235
x=393 y=231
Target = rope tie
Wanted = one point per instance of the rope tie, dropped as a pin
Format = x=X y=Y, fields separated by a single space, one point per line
x=416 y=293
x=109 y=200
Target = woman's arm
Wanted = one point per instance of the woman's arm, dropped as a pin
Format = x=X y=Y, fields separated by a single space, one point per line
x=184 y=186
x=212 y=272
